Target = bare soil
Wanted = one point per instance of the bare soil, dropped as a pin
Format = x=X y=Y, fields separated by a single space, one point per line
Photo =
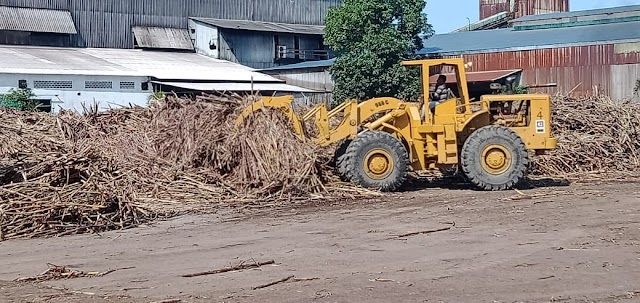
x=577 y=243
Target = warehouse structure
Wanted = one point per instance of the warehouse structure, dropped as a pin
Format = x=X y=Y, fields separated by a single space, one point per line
x=71 y=78
x=121 y=51
x=258 y=44
x=310 y=75
x=256 y=33
x=110 y=23
x=585 y=52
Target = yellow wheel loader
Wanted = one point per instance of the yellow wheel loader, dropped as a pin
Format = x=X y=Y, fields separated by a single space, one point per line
x=380 y=140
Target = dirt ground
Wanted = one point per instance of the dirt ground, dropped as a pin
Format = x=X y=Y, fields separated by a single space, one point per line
x=577 y=243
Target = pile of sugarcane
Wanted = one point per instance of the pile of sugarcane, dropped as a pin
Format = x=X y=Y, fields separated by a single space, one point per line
x=72 y=173
x=599 y=138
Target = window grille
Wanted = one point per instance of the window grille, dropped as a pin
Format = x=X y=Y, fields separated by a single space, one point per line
x=98 y=84
x=127 y=85
x=52 y=84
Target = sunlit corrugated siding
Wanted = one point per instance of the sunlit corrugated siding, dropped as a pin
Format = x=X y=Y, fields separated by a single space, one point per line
x=36 y=20
x=586 y=68
x=313 y=78
x=162 y=37
x=537 y=7
x=489 y=8
x=108 y=23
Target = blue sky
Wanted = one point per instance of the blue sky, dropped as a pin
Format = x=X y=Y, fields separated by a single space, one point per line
x=448 y=15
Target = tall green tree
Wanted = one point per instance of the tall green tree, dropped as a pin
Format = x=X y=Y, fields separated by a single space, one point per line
x=370 y=39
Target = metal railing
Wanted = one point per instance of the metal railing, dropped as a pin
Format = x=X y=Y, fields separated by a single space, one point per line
x=302 y=54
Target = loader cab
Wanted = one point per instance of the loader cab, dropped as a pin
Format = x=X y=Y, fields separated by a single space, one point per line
x=430 y=69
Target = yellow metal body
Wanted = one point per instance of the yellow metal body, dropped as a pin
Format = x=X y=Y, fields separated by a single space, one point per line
x=434 y=140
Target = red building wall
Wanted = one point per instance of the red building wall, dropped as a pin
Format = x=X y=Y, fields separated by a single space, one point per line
x=584 y=67
x=537 y=7
x=489 y=8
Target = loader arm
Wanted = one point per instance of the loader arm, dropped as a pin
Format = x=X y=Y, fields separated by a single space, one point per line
x=354 y=115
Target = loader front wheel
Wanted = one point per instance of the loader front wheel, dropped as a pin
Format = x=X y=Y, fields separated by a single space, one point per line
x=494 y=158
x=377 y=160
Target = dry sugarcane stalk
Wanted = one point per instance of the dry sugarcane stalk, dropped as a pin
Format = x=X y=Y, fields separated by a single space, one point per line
x=598 y=139
x=232 y=268
x=74 y=173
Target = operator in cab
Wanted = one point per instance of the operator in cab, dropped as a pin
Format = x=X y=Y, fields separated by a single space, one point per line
x=441 y=92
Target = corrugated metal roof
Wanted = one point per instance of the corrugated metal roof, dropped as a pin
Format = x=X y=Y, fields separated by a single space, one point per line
x=484 y=76
x=511 y=40
x=123 y=62
x=238 y=87
x=602 y=11
x=308 y=64
x=162 y=37
x=36 y=20
x=264 y=26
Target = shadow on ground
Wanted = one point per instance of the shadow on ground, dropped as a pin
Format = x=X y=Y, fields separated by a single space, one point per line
x=459 y=182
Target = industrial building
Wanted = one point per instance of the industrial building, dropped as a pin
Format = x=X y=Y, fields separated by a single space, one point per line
x=70 y=78
x=311 y=75
x=110 y=23
x=583 y=52
x=74 y=51
x=258 y=44
x=256 y=33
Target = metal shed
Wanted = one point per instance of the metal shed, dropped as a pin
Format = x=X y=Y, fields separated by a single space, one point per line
x=71 y=77
x=109 y=23
x=585 y=59
x=258 y=44
x=311 y=75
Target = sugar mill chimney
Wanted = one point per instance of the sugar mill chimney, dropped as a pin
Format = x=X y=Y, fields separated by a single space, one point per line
x=519 y=8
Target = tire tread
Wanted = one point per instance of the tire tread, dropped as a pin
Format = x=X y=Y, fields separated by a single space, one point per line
x=352 y=164
x=470 y=152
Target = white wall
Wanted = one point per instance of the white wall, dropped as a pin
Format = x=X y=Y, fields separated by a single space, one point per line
x=623 y=81
x=203 y=36
x=78 y=94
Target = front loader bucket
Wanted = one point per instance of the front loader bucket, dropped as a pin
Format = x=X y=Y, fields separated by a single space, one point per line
x=280 y=103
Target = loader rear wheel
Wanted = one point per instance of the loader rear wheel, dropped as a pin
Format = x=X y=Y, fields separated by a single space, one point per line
x=494 y=158
x=377 y=160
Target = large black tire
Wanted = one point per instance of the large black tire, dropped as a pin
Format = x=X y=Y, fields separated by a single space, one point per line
x=494 y=158
x=365 y=161
x=340 y=159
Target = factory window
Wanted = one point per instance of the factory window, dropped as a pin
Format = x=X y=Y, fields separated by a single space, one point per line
x=127 y=85
x=98 y=85
x=52 y=84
